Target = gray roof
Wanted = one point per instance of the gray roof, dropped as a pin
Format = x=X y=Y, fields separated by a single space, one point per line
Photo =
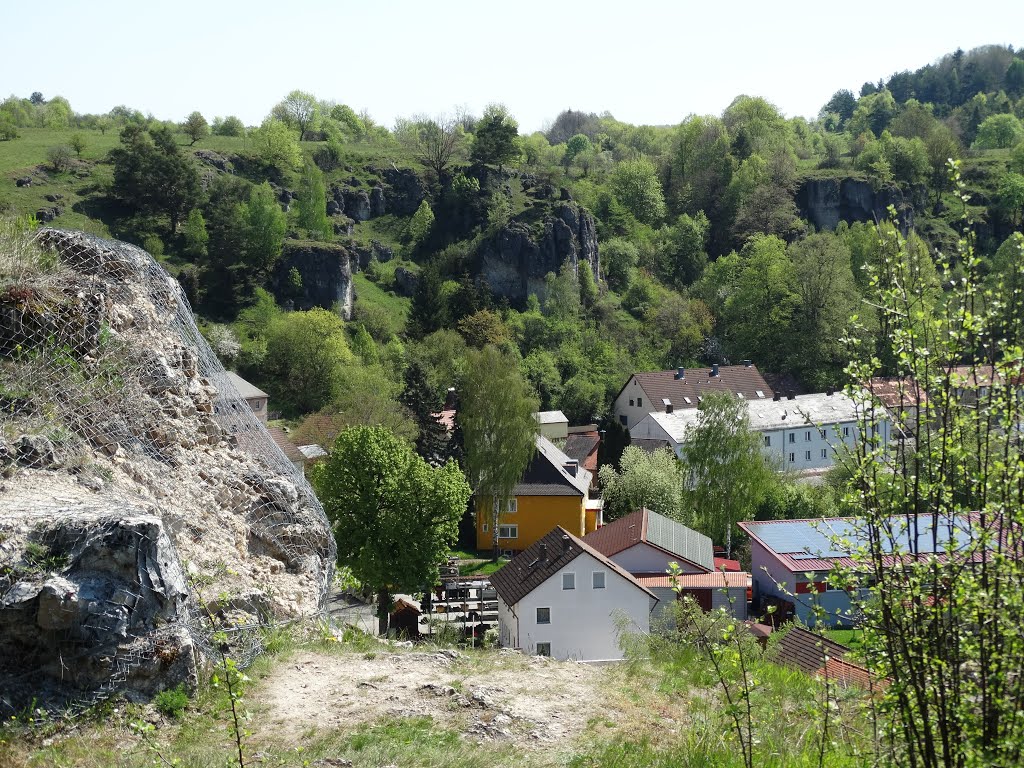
x=312 y=451
x=659 y=531
x=245 y=389
x=803 y=410
x=547 y=475
x=551 y=417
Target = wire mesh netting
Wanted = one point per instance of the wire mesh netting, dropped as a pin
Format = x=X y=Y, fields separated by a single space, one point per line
x=143 y=506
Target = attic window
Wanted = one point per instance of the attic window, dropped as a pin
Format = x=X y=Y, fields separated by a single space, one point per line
x=739 y=395
x=688 y=400
x=760 y=394
x=640 y=402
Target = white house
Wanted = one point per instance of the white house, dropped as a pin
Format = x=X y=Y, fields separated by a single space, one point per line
x=680 y=389
x=802 y=433
x=562 y=598
x=553 y=424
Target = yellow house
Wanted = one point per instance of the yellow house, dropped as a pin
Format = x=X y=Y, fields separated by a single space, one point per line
x=554 y=491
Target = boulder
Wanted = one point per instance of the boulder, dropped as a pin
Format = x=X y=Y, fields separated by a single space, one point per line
x=405 y=190
x=377 y=203
x=36 y=451
x=24 y=181
x=214 y=160
x=405 y=281
x=46 y=215
x=333 y=209
x=53 y=197
x=357 y=204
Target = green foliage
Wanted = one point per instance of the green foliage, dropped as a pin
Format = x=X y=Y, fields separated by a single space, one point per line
x=195 y=235
x=195 y=127
x=78 y=143
x=650 y=480
x=496 y=138
x=305 y=358
x=394 y=517
x=264 y=228
x=312 y=204
x=618 y=258
x=635 y=184
x=275 y=145
x=172 y=701
x=421 y=223
x=229 y=126
x=299 y=110
x=999 y=132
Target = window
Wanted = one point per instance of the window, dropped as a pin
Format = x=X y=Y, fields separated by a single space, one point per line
x=508 y=531
x=824 y=453
x=485 y=527
x=543 y=615
x=767 y=440
x=568 y=581
x=631 y=402
x=598 y=579
x=257 y=405
x=543 y=649
x=622 y=420
x=792 y=437
x=639 y=402
x=512 y=505
x=807 y=455
x=792 y=458
x=807 y=436
x=822 y=432
x=846 y=431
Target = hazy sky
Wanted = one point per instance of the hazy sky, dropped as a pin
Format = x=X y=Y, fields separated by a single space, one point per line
x=643 y=61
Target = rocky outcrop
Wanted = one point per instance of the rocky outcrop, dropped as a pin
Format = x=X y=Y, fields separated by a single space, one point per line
x=515 y=261
x=325 y=271
x=826 y=202
x=356 y=204
x=403 y=189
x=137 y=488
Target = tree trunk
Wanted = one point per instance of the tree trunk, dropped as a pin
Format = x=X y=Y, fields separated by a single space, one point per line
x=383 y=610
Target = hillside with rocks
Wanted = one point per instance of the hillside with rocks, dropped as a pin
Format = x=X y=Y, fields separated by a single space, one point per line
x=144 y=505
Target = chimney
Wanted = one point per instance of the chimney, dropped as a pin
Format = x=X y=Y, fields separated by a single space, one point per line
x=714 y=369
x=566 y=542
x=572 y=467
x=680 y=373
x=746 y=363
x=776 y=397
x=543 y=553
x=791 y=395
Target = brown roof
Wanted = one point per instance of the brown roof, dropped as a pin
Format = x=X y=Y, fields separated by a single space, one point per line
x=648 y=444
x=806 y=651
x=659 y=386
x=897 y=392
x=658 y=531
x=725 y=579
x=528 y=570
x=968 y=376
x=287 y=446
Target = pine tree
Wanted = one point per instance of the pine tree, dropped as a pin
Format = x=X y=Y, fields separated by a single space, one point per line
x=432 y=443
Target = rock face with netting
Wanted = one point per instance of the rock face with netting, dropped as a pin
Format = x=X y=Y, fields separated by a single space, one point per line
x=143 y=506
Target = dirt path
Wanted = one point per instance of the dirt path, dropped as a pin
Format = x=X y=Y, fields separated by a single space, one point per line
x=527 y=700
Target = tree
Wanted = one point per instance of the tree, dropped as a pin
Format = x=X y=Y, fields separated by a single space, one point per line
x=59 y=157
x=229 y=126
x=421 y=223
x=77 y=142
x=152 y=175
x=394 y=517
x=650 y=480
x=437 y=141
x=635 y=184
x=725 y=473
x=429 y=309
x=312 y=204
x=496 y=138
x=195 y=235
x=943 y=631
x=306 y=354
x=423 y=402
x=36 y=98
x=195 y=127
x=265 y=225
x=842 y=104
x=999 y=132
x=298 y=110
x=499 y=429
x=275 y=145
x=577 y=144
x=1011 y=197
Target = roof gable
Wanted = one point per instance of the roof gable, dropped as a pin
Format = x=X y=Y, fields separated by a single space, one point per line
x=547 y=475
x=645 y=526
x=542 y=560
x=687 y=392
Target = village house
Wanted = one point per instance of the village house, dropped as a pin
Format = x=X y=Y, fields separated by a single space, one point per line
x=684 y=388
x=799 y=433
x=582 y=445
x=554 y=425
x=791 y=561
x=646 y=544
x=253 y=395
x=554 y=490
x=562 y=598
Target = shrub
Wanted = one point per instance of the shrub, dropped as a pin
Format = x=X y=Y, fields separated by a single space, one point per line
x=153 y=245
x=172 y=701
x=59 y=157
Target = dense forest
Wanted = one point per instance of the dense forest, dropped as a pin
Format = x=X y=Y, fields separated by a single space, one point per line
x=347 y=268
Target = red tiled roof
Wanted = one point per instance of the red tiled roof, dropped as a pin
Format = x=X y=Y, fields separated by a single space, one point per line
x=806 y=651
x=583 y=447
x=671 y=537
x=696 y=382
x=897 y=392
x=722 y=563
x=527 y=571
x=290 y=449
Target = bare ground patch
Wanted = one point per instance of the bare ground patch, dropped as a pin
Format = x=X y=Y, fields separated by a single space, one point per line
x=529 y=701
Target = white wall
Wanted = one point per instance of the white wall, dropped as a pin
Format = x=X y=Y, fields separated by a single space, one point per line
x=645 y=559
x=650 y=429
x=633 y=413
x=808 y=438
x=507 y=637
x=581 y=625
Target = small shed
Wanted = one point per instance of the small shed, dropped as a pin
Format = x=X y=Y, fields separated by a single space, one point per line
x=405 y=617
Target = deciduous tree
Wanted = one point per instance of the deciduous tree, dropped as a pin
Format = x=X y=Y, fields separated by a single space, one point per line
x=394 y=517
x=650 y=480
x=195 y=127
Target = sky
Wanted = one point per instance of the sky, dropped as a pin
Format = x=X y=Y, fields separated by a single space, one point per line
x=644 y=62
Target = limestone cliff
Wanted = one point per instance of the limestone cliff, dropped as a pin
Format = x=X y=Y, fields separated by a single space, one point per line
x=325 y=274
x=515 y=261
x=826 y=202
x=142 y=503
